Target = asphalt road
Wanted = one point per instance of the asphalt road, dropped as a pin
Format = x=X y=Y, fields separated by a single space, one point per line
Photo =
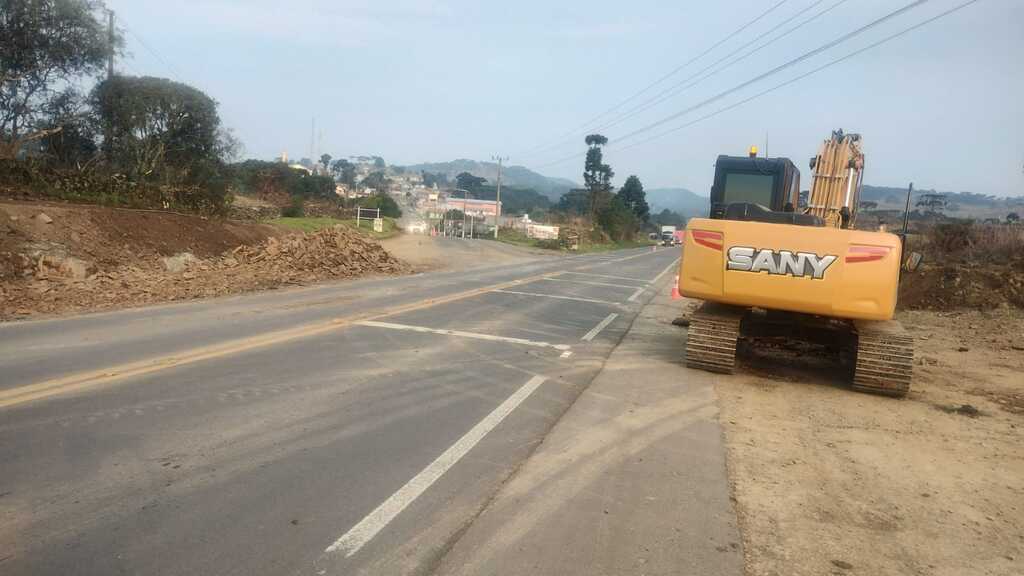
x=350 y=428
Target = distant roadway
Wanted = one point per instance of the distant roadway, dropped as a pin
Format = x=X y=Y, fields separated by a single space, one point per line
x=347 y=428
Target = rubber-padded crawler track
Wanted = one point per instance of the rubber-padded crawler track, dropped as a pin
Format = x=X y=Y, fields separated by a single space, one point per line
x=711 y=340
x=885 y=359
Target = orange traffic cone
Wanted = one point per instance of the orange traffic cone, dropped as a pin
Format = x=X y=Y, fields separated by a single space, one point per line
x=675 y=289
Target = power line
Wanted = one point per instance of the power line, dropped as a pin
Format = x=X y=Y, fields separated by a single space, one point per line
x=773 y=71
x=788 y=82
x=153 y=51
x=672 y=72
x=696 y=78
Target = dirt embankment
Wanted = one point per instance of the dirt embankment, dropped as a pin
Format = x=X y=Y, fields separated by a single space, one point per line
x=62 y=258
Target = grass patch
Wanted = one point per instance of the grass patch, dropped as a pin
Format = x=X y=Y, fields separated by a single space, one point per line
x=306 y=224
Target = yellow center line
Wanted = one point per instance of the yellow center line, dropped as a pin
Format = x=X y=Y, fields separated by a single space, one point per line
x=97 y=378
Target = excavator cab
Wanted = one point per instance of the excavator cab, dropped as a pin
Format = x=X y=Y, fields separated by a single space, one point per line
x=753 y=189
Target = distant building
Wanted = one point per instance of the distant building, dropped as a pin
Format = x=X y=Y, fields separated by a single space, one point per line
x=472 y=206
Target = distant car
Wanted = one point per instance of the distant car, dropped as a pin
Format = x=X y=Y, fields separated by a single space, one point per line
x=417 y=228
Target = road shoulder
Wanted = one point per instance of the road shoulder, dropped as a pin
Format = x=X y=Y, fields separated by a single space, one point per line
x=632 y=479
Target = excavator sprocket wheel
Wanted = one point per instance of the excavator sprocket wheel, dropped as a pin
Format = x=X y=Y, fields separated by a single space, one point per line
x=885 y=359
x=711 y=340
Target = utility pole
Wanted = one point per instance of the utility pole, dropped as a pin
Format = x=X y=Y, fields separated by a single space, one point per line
x=110 y=44
x=497 y=202
x=108 y=129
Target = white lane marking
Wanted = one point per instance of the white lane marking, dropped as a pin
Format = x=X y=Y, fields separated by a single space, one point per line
x=638 y=292
x=665 y=271
x=461 y=334
x=375 y=521
x=589 y=282
x=604 y=276
x=557 y=297
x=565 y=354
x=600 y=326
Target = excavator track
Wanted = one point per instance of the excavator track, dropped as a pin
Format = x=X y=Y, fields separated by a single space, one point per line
x=711 y=340
x=885 y=358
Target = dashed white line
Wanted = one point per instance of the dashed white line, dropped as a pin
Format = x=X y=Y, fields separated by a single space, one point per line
x=600 y=326
x=578 y=299
x=665 y=271
x=375 y=521
x=588 y=282
x=638 y=292
x=604 y=276
x=461 y=334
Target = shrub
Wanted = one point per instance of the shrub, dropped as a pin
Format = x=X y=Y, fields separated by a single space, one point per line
x=296 y=209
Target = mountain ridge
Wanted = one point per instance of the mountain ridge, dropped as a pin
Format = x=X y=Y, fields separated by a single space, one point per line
x=518 y=176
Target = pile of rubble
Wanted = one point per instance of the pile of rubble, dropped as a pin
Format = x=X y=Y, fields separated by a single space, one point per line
x=58 y=286
x=337 y=252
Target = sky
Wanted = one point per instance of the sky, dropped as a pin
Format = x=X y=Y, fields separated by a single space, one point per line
x=434 y=80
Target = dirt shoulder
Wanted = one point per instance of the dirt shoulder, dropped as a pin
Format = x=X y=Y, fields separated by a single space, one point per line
x=828 y=481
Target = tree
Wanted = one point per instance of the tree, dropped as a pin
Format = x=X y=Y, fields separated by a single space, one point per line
x=429 y=180
x=668 y=218
x=575 y=202
x=325 y=161
x=618 y=220
x=467 y=181
x=1012 y=218
x=933 y=202
x=46 y=46
x=379 y=163
x=868 y=205
x=344 y=172
x=387 y=205
x=158 y=126
x=378 y=181
x=632 y=196
x=597 y=176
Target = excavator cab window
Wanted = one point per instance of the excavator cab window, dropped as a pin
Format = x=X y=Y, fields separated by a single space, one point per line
x=747 y=187
x=759 y=189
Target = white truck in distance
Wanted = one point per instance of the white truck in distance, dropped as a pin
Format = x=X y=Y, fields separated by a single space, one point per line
x=668 y=235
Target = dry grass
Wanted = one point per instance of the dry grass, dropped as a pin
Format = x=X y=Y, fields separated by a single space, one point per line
x=979 y=242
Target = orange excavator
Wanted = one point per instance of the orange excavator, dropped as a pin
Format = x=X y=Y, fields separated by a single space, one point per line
x=765 y=263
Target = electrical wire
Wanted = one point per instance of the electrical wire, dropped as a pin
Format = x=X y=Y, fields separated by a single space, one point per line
x=758 y=78
x=173 y=70
x=788 y=82
x=577 y=130
x=695 y=79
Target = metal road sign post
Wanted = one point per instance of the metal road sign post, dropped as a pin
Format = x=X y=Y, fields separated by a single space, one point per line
x=368 y=211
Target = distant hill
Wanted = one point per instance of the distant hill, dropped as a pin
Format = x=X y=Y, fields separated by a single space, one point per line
x=960 y=204
x=678 y=200
x=518 y=176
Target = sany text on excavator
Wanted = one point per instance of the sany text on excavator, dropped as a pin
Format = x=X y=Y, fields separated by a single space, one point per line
x=766 y=264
